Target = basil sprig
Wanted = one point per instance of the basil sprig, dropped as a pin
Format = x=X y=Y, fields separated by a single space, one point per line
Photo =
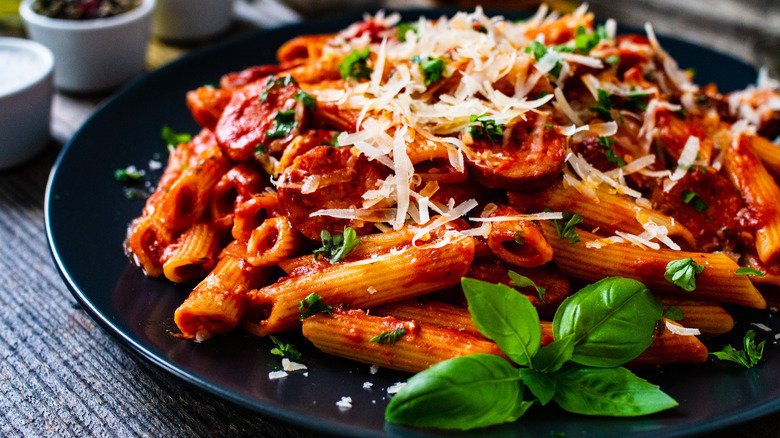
x=683 y=273
x=597 y=329
x=748 y=357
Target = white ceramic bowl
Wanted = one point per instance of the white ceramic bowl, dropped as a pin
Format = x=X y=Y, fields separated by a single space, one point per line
x=25 y=99
x=191 y=20
x=96 y=54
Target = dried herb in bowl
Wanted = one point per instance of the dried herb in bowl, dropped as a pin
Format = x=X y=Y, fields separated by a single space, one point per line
x=83 y=9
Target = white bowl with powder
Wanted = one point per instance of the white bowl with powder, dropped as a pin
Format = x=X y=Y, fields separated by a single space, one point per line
x=26 y=91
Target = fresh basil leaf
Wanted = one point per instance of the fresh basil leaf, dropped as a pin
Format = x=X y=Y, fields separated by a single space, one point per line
x=389 y=337
x=749 y=356
x=613 y=320
x=520 y=281
x=607 y=391
x=312 y=305
x=552 y=356
x=463 y=393
x=683 y=273
x=285 y=350
x=674 y=313
x=505 y=316
x=541 y=385
x=749 y=271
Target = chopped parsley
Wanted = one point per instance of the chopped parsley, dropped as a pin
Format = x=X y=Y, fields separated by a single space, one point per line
x=334 y=141
x=565 y=226
x=312 y=305
x=431 y=68
x=309 y=101
x=402 y=29
x=389 y=337
x=261 y=149
x=609 y=153
x=128 y=175
x=749 y=356
x=173 y=139
x=275 y=82
x=519 y=237
x=683 y=273
x=284 y=122
x=538 y=51
x=355 y=65
x=603 y=107
x=337 y=247
x=584 y=42
x=486 y=128
x=285 y=350
x=749 y=271
x=694 y=200
x=520 y=281
x=637 y=101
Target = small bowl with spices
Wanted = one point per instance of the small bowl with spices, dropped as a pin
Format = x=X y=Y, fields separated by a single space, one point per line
x=97 y=44
x=25 y=99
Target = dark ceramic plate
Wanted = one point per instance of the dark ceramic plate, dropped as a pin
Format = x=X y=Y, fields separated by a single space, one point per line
x=87 y=214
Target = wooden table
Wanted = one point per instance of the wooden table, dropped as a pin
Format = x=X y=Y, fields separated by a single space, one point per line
x=62 y=375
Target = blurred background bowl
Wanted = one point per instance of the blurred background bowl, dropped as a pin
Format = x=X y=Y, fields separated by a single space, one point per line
x=93 y=55
x=26 y=93
x=191 y=20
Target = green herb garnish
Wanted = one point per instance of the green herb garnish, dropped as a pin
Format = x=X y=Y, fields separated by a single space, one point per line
x=749 y=271
x=603 y=107
x=402 y=29
x=486 y=127
x=520 y=281
x=674 y=313
x=312 y=305
x=337 y=247
x=580 y=371
x=284 y=122
x=431 y=68
x=565 y=227
x=694 y=200
x=275 y=82
x=355 y=65
x=285 y=350
x=749 y=356
x=584 y=42
x=609 y=153
x=128 y=175
x=683 y=273
x=309 y=101
x=173 y=139
x=388 y=338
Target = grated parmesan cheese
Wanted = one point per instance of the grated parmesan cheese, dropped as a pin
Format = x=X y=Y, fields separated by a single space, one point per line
x=679 y=330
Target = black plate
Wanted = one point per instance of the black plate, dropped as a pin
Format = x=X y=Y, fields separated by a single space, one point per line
x=87 y=214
